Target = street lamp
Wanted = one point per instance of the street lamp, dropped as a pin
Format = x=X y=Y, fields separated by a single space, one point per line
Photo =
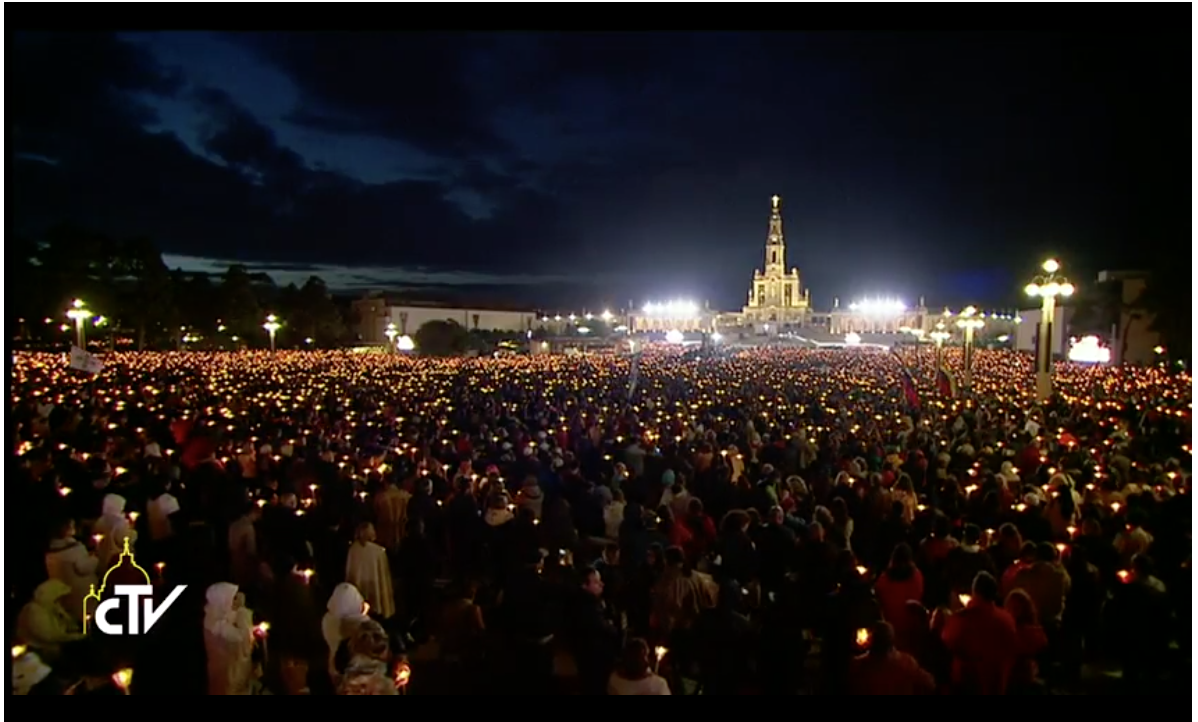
x=405 y=343
x=391 y=333
x=969 y=322
x=272 y=327
x=1047 y=287
x=940 y=335
x=78 y=313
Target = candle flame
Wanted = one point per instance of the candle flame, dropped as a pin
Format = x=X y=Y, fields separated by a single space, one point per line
x=660 y=652
x=122 y=678
x=965 y=599
x=862 y=637
x=18 y=650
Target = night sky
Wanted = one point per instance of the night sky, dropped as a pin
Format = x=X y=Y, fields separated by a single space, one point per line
x=593 y=169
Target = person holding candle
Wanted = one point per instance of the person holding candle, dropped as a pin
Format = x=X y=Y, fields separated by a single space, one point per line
x=884 y=670
x=69 y=561
x=902 y=582
x=1047 y=583
x=114 y=528
x=346 y=610
x=44 y=625
x=228 y=641
x=635 y=675
x=983 y=641
x=368 y=569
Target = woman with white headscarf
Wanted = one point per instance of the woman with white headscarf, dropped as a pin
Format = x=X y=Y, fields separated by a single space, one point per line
x=228 y=640
x=114 y=528
x=347 y=609
x=367 y=568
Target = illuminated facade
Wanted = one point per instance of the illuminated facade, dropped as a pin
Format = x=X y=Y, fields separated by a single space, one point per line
x=684 y=316
x=776 y=297
x=880 y=316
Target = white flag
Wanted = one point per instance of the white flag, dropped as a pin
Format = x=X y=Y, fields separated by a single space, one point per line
x=83 y=361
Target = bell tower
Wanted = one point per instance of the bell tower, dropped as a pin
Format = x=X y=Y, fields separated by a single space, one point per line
x=775 y=242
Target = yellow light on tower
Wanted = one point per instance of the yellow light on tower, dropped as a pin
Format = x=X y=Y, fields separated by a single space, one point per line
x=79 y=314
x=1047 y=287
x=272 y=327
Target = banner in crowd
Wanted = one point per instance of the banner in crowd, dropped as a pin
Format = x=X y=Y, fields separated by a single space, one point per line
x=83 y=361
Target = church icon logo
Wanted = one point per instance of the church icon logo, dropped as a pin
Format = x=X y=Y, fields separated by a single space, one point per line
x=141 y=614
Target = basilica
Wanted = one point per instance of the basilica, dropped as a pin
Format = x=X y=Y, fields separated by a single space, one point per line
x=776 y=296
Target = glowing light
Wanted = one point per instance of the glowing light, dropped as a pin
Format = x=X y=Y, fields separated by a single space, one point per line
x=405 y=343
x=1052 y=265
x=965 y=599
x=1089 y=349
x=672 y=309
x=852 y=339
x=878 y=307
x=674 y=336
x=122 y=678
x=18 y=650
x=862 y=637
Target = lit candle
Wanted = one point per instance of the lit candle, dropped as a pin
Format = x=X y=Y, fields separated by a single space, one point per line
x=403 y=674
x=965 y=599
x=1123 y=575
x=18 y=650
x=861 y=570
x=122 y=678
x=863 y=637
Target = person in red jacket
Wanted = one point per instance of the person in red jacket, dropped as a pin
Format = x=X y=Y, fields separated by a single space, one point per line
x=1032 y=640
x=900 y=583
x=884 y=670
x=983 y=641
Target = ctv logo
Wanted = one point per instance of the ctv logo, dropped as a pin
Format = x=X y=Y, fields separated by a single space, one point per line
x=137 y=619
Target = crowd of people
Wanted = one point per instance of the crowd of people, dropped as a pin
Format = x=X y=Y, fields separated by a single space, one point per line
x=766 y=521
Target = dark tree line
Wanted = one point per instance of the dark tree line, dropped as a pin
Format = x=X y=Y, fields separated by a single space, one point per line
x=146 y=305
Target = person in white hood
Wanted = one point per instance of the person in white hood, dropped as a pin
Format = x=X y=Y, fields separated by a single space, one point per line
x=69 y=562
x=367 y=568
x=115 y=528
x=347 y=609
x=228 y=640
x=158 y=514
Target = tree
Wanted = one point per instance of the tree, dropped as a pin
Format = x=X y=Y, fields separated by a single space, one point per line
x=149 y=299
x=442 y=338
x=317 y=316
x=239 y=309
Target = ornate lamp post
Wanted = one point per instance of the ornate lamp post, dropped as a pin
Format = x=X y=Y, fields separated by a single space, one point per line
x=272 y=327
x=78 y=313
x=969 y=322
x=940 y=335
x=391 y=333
x=1047 y=286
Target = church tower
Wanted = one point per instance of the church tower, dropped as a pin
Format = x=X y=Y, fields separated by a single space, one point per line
x=775 y=297
x=775 y=242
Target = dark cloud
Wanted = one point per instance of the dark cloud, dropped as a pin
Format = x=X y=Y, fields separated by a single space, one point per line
x=410 y=87
x=638 y=164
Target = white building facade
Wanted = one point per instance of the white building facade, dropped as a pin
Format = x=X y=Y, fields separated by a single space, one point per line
x=376 y=313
